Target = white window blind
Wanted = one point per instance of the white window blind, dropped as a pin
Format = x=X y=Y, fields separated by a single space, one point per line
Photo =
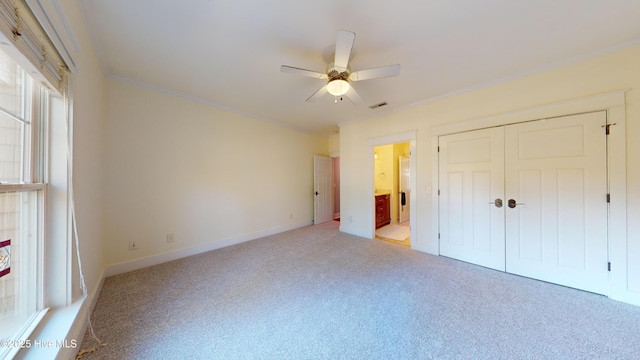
x=20 y=26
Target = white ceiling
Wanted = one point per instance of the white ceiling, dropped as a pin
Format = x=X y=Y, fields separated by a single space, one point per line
x=228 y=52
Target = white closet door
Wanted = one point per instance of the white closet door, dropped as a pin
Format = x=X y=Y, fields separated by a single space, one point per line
x=556 y=174
x=471 y=178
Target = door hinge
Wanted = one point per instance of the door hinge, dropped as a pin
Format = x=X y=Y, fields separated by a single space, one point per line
x=438 y=192
x=607 y=128
x=438 y=236
x=608 y=198
x=609 y=266
x=438 y=148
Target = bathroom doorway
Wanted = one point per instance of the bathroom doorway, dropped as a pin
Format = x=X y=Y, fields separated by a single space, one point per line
x=392 y=193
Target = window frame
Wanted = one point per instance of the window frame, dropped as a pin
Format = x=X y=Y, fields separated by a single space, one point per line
x=34 y=175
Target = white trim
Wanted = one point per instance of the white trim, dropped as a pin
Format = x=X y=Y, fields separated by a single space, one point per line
x=51 y=17
x=24 y=335
x=58 y=263
x=81 y=321
x=568 y=107
x=403 y=137
x=5 y=188
x=144 y=262
x=618 y=245
x=406 y=136
x=614 y=104
x=64 y=323
x=47 y=340
x=209 y=103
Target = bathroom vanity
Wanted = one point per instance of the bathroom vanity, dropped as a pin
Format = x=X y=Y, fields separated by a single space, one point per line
x=383 y=216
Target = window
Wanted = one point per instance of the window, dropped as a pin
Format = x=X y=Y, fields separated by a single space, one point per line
x=35 y=242
x=23 y=125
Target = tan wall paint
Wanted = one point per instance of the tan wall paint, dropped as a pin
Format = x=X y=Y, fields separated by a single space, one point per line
x=204 y=174
x=89 y=115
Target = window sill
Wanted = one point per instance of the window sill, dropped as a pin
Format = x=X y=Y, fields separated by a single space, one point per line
x=59 y=334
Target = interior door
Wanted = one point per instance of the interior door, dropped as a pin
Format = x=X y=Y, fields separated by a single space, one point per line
x=471 y=177
x=556 y=230
x=404 y=188
x=322 y=189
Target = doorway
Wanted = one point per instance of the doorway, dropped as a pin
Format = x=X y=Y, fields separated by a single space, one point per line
x=336 y=188
x=392 y=174
x=529 y=199
x=322 y=189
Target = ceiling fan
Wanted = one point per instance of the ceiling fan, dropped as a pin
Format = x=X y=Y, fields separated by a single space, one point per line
x=338 y=73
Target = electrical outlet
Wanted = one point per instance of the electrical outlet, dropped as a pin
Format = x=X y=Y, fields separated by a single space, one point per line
x=133 y=245
x=171 y=237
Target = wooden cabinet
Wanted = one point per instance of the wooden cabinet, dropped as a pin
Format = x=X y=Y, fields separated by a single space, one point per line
x=383 y=216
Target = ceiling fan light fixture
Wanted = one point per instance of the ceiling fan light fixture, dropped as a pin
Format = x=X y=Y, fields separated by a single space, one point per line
x=338 y=87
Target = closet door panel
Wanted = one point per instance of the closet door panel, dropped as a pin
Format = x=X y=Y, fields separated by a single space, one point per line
x=555 y=173
x=471 y=178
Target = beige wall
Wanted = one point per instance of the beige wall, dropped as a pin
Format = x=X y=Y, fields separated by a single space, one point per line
x=206 y=175
x=615 y=71
x=89 y=113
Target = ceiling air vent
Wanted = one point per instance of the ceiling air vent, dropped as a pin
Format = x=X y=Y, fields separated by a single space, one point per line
x=377 y=105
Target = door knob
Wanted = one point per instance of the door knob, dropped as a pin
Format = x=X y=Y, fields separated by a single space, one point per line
x=512 y=203
x=317 y=193
x=497 y=203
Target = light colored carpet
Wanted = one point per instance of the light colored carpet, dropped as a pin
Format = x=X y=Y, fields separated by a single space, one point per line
x=394 y=232
x=316 y=293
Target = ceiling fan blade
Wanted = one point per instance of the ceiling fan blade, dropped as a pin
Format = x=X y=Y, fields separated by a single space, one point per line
x=303 y=72
x=353 y=96
x=344 y=43
x=385 y=71
x=318 y=94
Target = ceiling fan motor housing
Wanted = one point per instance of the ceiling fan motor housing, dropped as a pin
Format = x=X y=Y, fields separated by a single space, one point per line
x=337 y=73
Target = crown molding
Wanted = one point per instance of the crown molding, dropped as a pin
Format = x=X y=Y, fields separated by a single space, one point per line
x=506 y=79
x=199 y=100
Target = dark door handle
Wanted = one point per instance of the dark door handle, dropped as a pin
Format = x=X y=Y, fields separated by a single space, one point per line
x=512 y=203
x=497 y=203
x=317 y=193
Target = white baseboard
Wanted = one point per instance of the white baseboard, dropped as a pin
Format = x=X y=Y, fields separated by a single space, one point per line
x=126 y=266
x=345 y=227
x=425 y=249
x=81 y=323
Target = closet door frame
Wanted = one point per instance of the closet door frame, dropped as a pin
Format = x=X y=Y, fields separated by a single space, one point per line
x=614 y=104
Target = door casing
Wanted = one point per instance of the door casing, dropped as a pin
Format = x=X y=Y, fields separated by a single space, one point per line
x=323 y=189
